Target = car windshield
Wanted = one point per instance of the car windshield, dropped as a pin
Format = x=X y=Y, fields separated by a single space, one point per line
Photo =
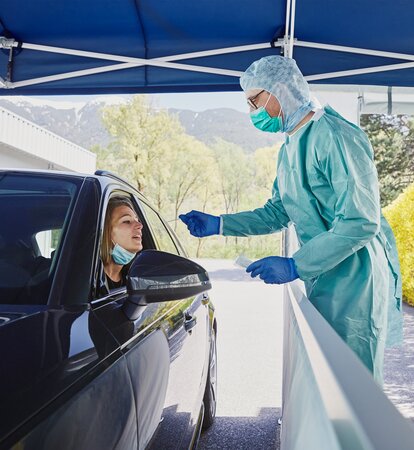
x=34 y=213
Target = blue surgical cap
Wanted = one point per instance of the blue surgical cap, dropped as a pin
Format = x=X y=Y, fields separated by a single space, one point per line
x=282 y=78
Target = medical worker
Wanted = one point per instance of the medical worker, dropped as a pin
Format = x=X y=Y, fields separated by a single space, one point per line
x=327 y=187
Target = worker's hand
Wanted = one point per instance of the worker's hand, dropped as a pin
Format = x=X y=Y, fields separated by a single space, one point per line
x=200 y=224
x=274 y=269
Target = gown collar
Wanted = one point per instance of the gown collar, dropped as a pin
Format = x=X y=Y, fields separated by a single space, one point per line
x=319 y=112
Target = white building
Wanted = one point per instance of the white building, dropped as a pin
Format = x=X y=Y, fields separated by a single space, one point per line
x=24 y=144
x=352 y=101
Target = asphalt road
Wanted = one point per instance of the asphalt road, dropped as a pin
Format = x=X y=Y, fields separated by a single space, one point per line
x=249 y=353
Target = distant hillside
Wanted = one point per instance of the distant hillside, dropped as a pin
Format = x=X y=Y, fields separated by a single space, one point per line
x=228 y=124
x=79 y=125
x=82 y=125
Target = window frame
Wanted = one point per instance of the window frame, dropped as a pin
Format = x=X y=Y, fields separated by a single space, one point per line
x=77 y=183
x=173 y=239
x=118 y=293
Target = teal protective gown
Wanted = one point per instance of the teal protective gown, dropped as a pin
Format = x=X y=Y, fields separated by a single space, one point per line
x=327 y=186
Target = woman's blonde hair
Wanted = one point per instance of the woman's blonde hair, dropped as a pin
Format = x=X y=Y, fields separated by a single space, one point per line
x=106 y=245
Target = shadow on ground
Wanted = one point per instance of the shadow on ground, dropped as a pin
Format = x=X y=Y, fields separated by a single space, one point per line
x=244 y=433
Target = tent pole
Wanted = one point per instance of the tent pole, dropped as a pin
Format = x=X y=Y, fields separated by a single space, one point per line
x=360 y=51
x=130 y=62
x=113 y=67
x=389 y=97
x=166 y=61
x=292 y=28
x=65 y=76
x=359 y=106
x=286 y=37
x=348 y=73
x=119 y=58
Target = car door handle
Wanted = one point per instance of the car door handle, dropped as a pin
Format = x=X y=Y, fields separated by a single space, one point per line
x=189 y=322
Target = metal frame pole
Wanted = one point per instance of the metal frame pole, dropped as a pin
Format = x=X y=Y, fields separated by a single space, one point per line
x=168 y=61
x=286 y=37
x=292 y=28
x=129 y=62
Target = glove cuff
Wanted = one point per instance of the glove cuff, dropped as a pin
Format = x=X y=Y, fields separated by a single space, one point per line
x=221 y=225
x=217 y=224
x=293 y=271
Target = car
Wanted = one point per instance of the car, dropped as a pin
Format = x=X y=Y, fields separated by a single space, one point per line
x=84 y=367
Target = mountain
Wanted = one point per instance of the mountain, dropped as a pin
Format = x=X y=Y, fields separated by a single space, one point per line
x=228 y=124
x=80 y=122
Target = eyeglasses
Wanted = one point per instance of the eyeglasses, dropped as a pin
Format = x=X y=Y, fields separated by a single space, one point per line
x=251 y=100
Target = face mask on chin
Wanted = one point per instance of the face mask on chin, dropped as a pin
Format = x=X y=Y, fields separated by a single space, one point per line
x=263 y=122
x=121 y=256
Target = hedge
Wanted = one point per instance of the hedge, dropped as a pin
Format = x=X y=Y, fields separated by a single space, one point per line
x=400 y=215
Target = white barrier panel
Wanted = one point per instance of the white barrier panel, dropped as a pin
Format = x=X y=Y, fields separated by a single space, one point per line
x=330 y=400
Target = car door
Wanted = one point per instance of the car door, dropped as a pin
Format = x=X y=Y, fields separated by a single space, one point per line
x=188 y=352
x=161 y=344
x=64 y=380
x=144 y=340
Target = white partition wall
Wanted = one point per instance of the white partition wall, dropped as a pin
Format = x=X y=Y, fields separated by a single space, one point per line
x=330 y=400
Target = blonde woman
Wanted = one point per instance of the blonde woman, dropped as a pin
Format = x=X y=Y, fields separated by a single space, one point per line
x=121 y=241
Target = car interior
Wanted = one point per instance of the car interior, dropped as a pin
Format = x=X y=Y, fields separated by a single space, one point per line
x=25 y=273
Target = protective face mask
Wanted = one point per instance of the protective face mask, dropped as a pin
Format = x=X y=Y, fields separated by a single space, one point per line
x=262 y=120
x=121 y=256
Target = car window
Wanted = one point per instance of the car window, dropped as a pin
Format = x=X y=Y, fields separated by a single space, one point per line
x=105 y=284
x=35 y=210
x=160 y=234
x=47 y=241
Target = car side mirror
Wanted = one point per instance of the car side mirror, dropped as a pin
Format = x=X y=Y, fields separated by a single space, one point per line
x=157 y=276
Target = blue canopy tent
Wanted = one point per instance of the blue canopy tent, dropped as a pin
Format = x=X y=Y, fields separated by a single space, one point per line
x=68 y=47
x=105 y=46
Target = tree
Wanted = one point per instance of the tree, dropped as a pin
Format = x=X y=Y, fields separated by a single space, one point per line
x=234 y=173
x=392 y=138
x=177 y=173
x=151 y=149
x=265 y=167
x=139 y=133
x=190 y=168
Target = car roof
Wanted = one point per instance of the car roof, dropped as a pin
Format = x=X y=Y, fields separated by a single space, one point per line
x=45 y=172
x=103 y=176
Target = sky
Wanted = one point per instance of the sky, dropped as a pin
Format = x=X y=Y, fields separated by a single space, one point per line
x=345 y=101
x=193 y=101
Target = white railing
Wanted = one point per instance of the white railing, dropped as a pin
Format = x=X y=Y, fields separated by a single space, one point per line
x=23 y=135
x=330 y=400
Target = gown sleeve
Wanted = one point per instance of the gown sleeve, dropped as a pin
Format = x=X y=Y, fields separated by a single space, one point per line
x=346 y=162
x=270 y=218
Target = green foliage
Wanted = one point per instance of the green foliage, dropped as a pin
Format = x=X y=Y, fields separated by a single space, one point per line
x=400 y=215
x=234 y=174
x=392 y=138
x=177 y=173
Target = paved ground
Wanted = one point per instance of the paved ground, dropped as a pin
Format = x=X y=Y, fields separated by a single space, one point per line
x=249 y=347
x=249 y=315
x=399 y=369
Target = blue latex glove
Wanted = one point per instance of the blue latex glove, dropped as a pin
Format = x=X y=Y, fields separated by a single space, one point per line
x=274 y=269
x=201 y=224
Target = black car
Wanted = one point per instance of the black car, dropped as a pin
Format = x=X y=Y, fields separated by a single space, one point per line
x=87 y=368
